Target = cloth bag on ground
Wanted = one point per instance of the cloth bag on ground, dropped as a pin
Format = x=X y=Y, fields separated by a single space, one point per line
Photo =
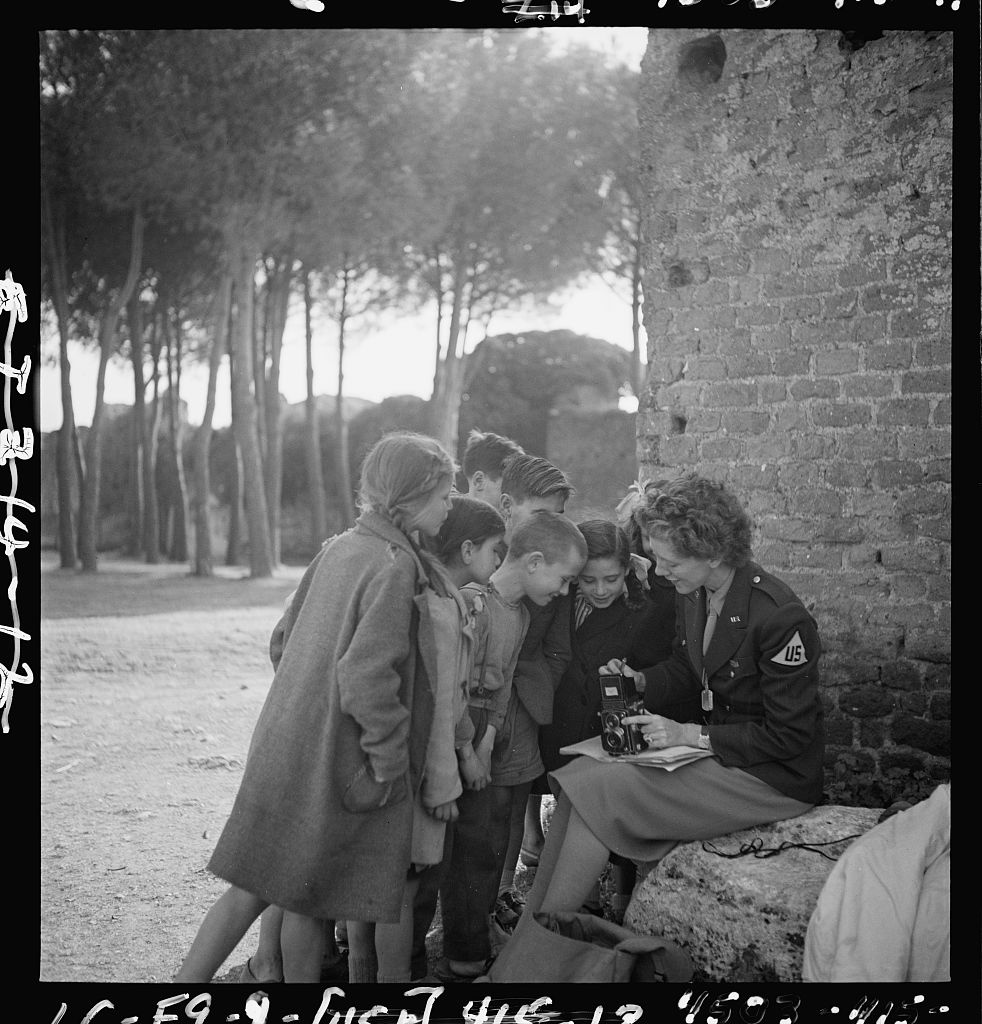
x=567 y=947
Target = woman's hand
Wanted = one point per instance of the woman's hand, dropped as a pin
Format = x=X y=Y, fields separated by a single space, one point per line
x=616 y=667
x=445 y=812
x=663 y=732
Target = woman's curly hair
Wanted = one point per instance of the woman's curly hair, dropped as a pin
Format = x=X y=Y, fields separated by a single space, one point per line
x=700 y=518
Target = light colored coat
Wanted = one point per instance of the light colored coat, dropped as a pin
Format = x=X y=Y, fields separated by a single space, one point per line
x=351 y=687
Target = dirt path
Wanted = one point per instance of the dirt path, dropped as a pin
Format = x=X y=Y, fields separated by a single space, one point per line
x=150 y=686
x=151 y=682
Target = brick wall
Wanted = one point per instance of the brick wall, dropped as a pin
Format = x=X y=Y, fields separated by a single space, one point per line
x=797 y=307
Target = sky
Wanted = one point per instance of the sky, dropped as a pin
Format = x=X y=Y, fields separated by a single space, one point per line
x=395 y=355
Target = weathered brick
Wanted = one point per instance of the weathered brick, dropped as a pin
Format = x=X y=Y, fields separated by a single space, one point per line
x=869 y=386
x=872 y=733
x=888 y=297
x=752 y=364
x=816 y=557
x=821 y=336
x=908 y=587
x=932 y=737
x=729 y=394
x=941 y=417
x=791 y=363
x=773 y=391
x=932 y=642
x=915 y=323
x=896 y=474
x=694 y=320
x=791 y=419
x=846 y=474
x=868 y=445
x=809 y=387
x=869 y=329
x=773 y=556
x=730 y=265
x=903 y=413
x=864 y=272
x=912 y=703
x=797 y=474
x=771 y=262
x=940 y=706
x=749 y=478
x=838 y=729
x=770 y=338
x=817 y=501
x=768 y=447
x=924 y=503
x=801 y=309
x=866 y=702
x=712 y=293
x=734 y=341
x=705 y=368
x=938 y=527
x=937 y=471
x=813 y=447
x=847 y=414
x=926 y=382
x=841 y=304
x=901 y=760
x=703 y=421
x=895 y=355
x=726 y=449
x=680 y=450
x=862 y=556
x=746 y=421
x=758 y=315
x=932 y=352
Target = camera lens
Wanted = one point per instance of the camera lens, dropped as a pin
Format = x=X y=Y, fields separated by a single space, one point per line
x=614 y=739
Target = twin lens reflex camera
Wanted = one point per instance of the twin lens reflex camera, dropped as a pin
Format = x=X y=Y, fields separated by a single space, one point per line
x=619 y=699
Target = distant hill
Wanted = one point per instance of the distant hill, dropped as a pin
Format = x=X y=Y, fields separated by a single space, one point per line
x=325 y=407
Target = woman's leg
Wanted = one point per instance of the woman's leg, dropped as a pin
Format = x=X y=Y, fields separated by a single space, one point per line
x=394 y=942
x=534 y=838
x=362 y=962
x=302 y=943
x=581 y=859
x=220 y=932
x=267 y=962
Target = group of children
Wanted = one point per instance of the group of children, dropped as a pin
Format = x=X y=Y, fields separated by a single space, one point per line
x=428 y=669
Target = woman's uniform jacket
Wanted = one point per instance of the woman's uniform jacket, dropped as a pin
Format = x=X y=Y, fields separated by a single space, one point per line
x=352 y=688
x=641 y=637
x=762 y=667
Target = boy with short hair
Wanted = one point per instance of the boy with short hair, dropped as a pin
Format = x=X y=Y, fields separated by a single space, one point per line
x=484 y=456
x=546 y=551
x=529 y=484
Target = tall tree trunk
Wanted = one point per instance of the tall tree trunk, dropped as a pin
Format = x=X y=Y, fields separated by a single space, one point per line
x=244 y=420
x=312 y=449
x=138 y=425
x=342 y=460
x=278 y=305
x=201 y=491
x=89 y=518
x=66 y=467
x=258 y=342
x=445 y=403
x=233 y=545
x=151 y=507
x=178 y=549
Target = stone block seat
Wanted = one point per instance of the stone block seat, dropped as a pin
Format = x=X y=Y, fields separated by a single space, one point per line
x=744 y=919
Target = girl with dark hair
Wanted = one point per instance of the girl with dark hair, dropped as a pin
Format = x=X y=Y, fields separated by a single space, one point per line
x=611 y=616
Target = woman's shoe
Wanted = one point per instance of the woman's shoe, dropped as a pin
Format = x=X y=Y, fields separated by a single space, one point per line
x=246 y=977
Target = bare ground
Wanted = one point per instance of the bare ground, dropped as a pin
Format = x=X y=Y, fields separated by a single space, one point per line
x=151 y=682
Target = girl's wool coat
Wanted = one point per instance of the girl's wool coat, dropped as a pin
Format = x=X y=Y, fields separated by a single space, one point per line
x=352 y=687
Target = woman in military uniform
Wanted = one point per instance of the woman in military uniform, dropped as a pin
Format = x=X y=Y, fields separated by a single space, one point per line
x=747 y=649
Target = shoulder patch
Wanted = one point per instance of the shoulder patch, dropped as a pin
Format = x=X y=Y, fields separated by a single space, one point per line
x=792 y=653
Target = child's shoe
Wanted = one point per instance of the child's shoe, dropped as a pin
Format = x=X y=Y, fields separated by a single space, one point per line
x=508 y=909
